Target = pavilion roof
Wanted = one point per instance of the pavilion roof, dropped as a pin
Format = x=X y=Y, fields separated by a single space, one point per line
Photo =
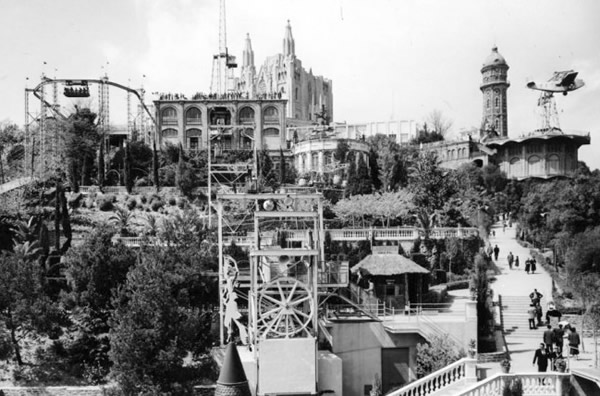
x=387 y=265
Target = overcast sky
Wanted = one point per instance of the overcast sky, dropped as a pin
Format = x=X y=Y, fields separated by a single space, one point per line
x=388 y=59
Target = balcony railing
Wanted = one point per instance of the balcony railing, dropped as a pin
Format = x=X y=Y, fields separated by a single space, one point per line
x=462 y=371
x=534 y=384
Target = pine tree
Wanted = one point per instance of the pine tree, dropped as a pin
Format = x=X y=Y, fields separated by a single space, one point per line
x=128 y=179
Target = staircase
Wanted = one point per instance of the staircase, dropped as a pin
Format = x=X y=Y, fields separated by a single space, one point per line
x=515 y=318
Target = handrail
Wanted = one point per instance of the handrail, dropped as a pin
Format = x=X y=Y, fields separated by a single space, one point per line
x=437 y=330
x=549 y=383
x=451 y=374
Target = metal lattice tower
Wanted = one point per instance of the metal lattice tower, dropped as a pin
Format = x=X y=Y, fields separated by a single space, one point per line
x=223 y=63
x=129 y=113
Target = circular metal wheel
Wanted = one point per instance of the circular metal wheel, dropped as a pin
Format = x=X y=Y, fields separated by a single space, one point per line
x=285 y=308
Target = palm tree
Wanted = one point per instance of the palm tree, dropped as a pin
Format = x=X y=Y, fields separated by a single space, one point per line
x=122 y=218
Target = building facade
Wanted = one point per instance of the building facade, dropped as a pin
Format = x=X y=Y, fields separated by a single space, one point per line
x=282 y=76
x=539 y=156
x=493 y=87
x=317 y=155
x=230 y=124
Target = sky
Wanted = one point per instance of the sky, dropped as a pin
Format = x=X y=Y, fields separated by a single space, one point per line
x=388 y=59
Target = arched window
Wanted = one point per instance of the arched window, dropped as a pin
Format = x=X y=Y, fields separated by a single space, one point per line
x=271 y=114
x=488 y=103
x=169 y=133
x=534 y=166
x=497 y=125
x=169 y=116
x=314 y=161
x=553 y=164
x=246 y=115
x=193 y=116
x=271 y=132
x=497 y=101
x=515 y=168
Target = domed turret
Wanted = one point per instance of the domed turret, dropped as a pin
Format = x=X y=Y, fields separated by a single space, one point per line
x=494 y=59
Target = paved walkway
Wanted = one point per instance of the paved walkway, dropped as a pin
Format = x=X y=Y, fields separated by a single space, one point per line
x=518 y=283
x=16 y=183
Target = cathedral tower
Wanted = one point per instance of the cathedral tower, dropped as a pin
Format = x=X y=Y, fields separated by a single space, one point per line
x=493 y=87
x=289 y=48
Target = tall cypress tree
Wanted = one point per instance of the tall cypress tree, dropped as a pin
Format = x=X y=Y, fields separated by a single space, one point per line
x=127 y=169
x=155 y=178
x=281 y=167
x=179 y=171
x=101 y=164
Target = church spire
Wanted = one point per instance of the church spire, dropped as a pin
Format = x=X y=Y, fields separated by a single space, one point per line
x=248 y=54
x=288 y=41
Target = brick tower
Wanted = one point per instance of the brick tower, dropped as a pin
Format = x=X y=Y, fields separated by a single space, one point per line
x=494 y=86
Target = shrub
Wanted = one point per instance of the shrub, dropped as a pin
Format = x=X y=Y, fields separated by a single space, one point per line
x=440 y=352
x=172 y=201
x=131 y=203
x=106 y=204
x=182 y=203
x=156 y=205
x=144 y=199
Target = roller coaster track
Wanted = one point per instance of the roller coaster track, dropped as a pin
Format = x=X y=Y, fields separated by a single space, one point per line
x=47 y=80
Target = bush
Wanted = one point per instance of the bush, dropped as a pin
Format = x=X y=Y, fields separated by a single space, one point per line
x=172 y=201
x=156 y=205
x=144 y=199
x=106 y=205
x=182 y=203
x=131 y=203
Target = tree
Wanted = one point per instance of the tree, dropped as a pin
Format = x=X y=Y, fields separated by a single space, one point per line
x=127 y=175
x=94 y=271
x=359 y=182
x=430 y=184
x=282 y=175
x=24 y=307
x=101 y=165
x=10 y=135
x=386 y=152
x=341 y=151
x=155 y=324
x=438 y=122
x=438 y=353
x=81 y=143
x=155 y=167
x=180 y=169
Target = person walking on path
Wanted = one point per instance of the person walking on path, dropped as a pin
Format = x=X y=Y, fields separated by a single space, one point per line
x=531 y=312
x=535 y=297
x=517 y=262
x=548 y=338
x=541 y=357
x=510 y=259
x=527 y=265
x=559 y=334
x=539 y=314
x=574 y=342
x=533 y=264
x=496 y=252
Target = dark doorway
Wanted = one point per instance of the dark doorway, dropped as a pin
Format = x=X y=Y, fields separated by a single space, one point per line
x=394 y=368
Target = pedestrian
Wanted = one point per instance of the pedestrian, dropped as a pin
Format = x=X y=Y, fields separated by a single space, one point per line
x=503 y=227
x=574 y=342
x=533 y=263
x=548 y=338
x=517 y=262
x=559 y=334
x=541 y=357
x=527 y=265
x=510 y=259
x=531 y=312
x=535 y=297
x=539 y=314
x=496 y=252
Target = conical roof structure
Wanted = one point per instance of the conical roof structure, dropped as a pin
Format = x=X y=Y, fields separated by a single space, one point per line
x=232 y=379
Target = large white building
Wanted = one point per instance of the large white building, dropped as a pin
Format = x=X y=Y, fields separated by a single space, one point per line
x=282 y=76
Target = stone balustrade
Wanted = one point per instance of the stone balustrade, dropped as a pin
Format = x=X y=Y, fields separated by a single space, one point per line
x=534 y=384
x=460 y=372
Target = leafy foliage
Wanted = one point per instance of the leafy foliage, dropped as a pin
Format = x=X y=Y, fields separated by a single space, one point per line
x=438 y=353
